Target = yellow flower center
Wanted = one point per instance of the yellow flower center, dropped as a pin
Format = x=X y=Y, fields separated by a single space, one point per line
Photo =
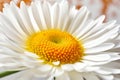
x=55 y=45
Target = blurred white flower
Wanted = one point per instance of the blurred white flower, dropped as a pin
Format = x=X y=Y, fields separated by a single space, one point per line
x=57 y=42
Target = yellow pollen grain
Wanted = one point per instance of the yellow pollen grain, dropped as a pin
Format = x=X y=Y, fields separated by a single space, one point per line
x=55 y=45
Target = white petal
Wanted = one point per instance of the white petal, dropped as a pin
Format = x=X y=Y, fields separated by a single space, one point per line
x=114 y=56
x=104 y=28
x=69 y=18
x=117 y=44
x=90 y=76
x=45 y=68
x=11 y=45
x=63 y=12
x=102 y=38
x=58 y=72
x=22 y=29
x=100 y=48
x=75 y=76
x=103 y=72
x=78 y=20
x=113 y=71
x=88 y=62
x=79 y=66
x=91 y=68
x=24 y=14
x=55 y=14
x=40 y=74
x=41 y=16
x=32 y=19
x=78 y=30
x=28 y=75
x=10 y=52
x=113 y=64
x=89 y=25
x=36 y=15
x=63 y=77
x=25 y=77
x=106 y=77
x=18 y=75
x=47 y=14
x=67 y=67
x=99 y=57
x=12 y=12
x=6 y=30
x=94 y=27
x=31 y=54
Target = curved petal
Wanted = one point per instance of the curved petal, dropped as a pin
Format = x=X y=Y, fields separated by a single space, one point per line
x=64 y=76
x=75 y=76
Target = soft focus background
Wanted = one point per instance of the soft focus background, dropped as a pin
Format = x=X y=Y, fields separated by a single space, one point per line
x=110 y=8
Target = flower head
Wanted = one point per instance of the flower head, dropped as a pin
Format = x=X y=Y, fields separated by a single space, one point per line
x=56 y=41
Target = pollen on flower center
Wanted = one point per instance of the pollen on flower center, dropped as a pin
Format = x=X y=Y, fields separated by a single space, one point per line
x=55 y=45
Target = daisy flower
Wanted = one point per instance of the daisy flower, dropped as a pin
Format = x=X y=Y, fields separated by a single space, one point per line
x=57 y=42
